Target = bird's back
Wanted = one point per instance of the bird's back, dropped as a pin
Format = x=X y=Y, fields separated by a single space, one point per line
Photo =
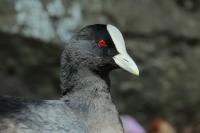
x=18 y=115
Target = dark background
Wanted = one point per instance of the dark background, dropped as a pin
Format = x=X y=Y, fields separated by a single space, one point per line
x=163 y=37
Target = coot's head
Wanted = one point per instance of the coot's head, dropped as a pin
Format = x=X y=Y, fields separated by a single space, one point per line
x=100 y=48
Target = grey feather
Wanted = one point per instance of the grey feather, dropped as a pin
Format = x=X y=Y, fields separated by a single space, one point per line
x=86 y=105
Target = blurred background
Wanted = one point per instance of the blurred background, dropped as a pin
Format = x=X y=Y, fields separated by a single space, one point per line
x=162 y=36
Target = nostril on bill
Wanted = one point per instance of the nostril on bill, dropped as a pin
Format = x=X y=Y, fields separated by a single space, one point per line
x=126 y=60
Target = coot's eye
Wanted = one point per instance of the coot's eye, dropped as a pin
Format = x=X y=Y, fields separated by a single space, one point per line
x=101 y=43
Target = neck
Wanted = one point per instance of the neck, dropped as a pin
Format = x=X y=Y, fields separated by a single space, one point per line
x=83 y=83
x=84 y=79
x=88 y=94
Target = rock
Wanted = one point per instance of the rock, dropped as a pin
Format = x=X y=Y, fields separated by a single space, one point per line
x=28 y=67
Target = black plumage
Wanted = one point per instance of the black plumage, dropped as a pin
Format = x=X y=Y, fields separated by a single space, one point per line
x=86 y=105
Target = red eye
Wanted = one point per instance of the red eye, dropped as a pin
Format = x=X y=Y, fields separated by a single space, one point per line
x=101 y=43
